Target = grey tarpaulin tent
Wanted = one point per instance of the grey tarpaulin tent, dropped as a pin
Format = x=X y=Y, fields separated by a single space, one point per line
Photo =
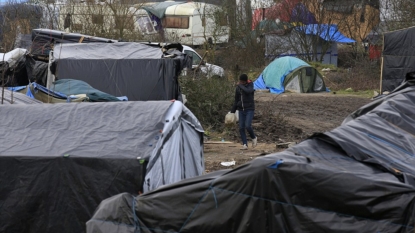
x=398 y=57
x=135 y=70
x=58 y=162
x=359 y=177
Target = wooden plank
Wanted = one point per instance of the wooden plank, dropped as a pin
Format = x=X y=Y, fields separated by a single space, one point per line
x=217 y=142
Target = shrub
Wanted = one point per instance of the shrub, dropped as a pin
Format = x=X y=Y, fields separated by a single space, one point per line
x=209 y=99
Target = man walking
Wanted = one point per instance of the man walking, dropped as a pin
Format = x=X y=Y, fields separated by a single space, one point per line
x=244 y=103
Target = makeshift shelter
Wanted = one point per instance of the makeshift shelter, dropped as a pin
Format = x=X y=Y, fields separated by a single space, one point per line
x=43 y=40
x=316 y=42
x=290 y=74
x=41 y=93
x=59 y=161
x=135 y=70
x=13 y=67
x=398 y=58
x=20 y=68
x=359 y=177
x=76 y=87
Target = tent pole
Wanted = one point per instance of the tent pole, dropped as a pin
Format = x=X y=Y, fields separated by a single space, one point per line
x=381 y=65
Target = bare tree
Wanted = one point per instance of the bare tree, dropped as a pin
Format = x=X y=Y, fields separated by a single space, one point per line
x=398 y=14
x=111 y=19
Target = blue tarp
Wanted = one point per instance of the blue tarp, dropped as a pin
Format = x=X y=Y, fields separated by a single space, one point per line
x=274 y=74
x=259 y=83
x=16 y=88
x=326 y=32
x=43 y=89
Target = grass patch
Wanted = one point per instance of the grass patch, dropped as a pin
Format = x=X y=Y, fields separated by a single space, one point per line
x=360 y=93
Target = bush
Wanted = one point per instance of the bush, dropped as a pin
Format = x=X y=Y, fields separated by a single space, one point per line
x=209 y=99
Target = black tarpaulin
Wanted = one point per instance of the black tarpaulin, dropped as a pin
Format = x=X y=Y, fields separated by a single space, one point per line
x=398 y=57
x=358 y=177
x=135 y=70
x=43 y=40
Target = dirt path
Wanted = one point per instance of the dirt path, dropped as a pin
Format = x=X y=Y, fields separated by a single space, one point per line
x=282 y=118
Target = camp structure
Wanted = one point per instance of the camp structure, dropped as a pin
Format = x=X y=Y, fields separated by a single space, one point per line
x=59 y=161
x=66 y=91
x=134 y=70
x=43 y=40
x=397 y=58
x=290 y=74
x=359 y=177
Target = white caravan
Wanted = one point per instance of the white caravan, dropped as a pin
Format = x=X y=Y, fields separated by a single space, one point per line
x=190 y=23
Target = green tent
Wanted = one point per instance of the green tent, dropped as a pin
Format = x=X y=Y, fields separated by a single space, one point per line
x=290 y=74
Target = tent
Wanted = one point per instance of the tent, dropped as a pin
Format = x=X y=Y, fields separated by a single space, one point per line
x=359 y=177
x=59 y=161
x=135 y=70
x=290 y=74
x=398 y=58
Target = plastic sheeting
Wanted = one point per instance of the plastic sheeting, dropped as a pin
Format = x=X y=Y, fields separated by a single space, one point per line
x=59 y=161
x=326 y=32
x=37 y=71
x=76 y=87
x=259 y=83
x=357 y=178
x=135 y=70
x=43 y=40
x=398 y=57
x=13 y=56
x=11 y=97
x=12 y=67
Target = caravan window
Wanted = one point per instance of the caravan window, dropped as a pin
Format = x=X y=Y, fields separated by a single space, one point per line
x=176 y=22
x=145 y=24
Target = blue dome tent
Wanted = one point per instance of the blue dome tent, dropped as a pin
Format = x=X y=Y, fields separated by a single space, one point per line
x=290 y=74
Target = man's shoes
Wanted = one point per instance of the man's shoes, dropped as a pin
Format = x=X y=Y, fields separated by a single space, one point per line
x=244 y=147
x=254 y=142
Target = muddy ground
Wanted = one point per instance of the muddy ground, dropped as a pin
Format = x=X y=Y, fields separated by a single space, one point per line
x=281 y=119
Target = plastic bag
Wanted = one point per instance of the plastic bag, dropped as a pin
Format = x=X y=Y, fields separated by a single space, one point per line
x=230 y=118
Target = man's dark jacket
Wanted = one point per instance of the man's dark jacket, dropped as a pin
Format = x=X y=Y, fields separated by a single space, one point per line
x=244 y=97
